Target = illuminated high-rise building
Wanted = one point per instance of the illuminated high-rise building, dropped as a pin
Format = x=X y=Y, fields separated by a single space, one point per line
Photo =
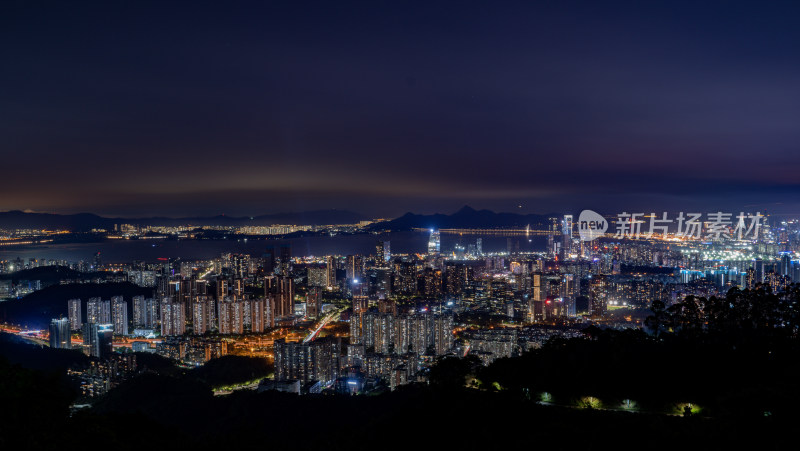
x=173 y=317
x=331 y=272
x=314 y=302
x=385 y=332
x=222 y=289
x=383 y=252
x=354 y=269
x=598 y=296
x=60 y=335
x=317 y=360
x=74 y=313
x=203 y=314
x=144 y=315
x=379 y=332
x=237 y=316
x=317 y=276
x=281 y=291
x=786 y=264
x=237 y=288
x=405 y=277
x=269 y=312
x=432 y=283
x=758 y=265
x=458 y=278
x=443 y=334
x=145 y=312
x=569 y=292
x=360 y=306
x=225 y=316
x=98 y=339
x=434 y=243
x=553 y=245
x=258 y=315
x=536 y=298
x=119 y=315
x=566 y=234
x=98 y=311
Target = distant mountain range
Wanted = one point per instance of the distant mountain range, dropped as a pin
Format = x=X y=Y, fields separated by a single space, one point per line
x=81 y=222
x=465 y=218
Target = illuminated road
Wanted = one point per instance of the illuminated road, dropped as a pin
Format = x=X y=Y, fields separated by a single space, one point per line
x=328 y=318
x=208 y=271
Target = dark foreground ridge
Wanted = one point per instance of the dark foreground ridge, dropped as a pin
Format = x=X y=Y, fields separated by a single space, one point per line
x=705 y=374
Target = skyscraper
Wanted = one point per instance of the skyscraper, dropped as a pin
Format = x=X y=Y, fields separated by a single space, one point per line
x=222 y=289
x=383 y=252
x=331 y=269
x=281 y=291
x=144 y=313
x=258 y=315
x=317 y=360
x=434 y=243
x=74 y=313
x=232 y=315
x=758 y=265
x=173 y=317
x=98 y=311
x=786 y=264
x=598 y=298
x=317 y=276
x=566 y=234
x=354 y=269
x=225 y=315
x=535 y=299
x=119 y=314
x=97 y=339
x=60 y=334
x=314 y=302
x=203 y=314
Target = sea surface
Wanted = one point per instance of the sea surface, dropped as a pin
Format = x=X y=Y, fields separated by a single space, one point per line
x=121 y=251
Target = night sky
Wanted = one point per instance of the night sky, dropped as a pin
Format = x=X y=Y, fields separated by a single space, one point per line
x=137 y=108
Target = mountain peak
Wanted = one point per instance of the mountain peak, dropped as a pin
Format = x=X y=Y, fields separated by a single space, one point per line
x=466 y=209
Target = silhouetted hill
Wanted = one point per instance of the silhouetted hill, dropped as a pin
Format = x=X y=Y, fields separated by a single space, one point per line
x=16 y=219
x=151 y=362
x=49 y=275
x=232 y=369
x=466 y=217
x=21 y=352
x=38 y=308
x=471 y=420
x=35 y=403
x=83 y=222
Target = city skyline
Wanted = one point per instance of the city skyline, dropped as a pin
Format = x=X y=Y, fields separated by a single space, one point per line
x=461 y=225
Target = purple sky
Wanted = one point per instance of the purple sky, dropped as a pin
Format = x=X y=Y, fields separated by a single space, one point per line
x=143 y=108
